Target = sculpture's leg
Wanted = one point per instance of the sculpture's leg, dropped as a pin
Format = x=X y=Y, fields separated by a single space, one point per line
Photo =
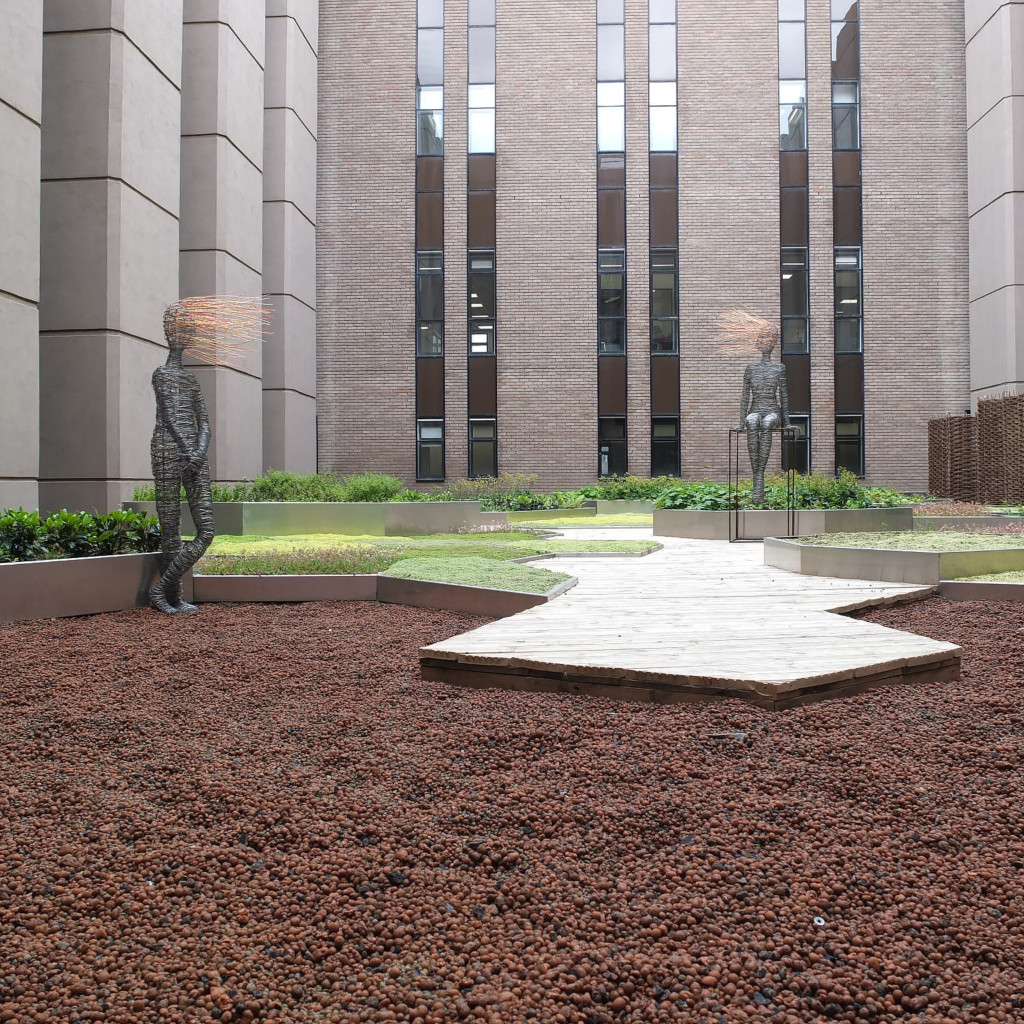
x=764 y=451
x=167 y=478
x=754 y=434
x=200 y=503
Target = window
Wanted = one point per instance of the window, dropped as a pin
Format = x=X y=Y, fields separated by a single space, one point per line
x=430 y=56
x=845 y=115
x=796 y=453
x=848 y=298
x=430 y=450
x=611 y=302
x=792 y=115
x=795 y=301
x=483 y=448
x=611 y=446
x=664 y=446
x=430 y=13
x=662 y=53
x=663 y=117
x=664 y=302
x=850 y=444
x=792 y=75
x=430 y=122
x=611 y=117
x=482 y=303
x=430 y=304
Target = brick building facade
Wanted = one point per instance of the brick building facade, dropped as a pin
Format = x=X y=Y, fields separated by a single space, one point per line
x=551 y=382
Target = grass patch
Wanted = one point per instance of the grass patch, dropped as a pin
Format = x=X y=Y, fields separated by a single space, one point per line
x=598 y=522
x=319 y=554
x=478 y=572
x=920 y=540
x=995 y=577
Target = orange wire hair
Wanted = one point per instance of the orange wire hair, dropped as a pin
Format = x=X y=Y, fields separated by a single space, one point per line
x=218 y=329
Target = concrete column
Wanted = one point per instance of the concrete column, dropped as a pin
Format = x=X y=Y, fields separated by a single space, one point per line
x=222 y=204
x=21 y=76
x=289 y=235
x=109 y=240
x=995 y=146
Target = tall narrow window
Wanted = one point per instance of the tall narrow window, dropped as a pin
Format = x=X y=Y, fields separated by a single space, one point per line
x=611 y=299
x=612 y=446
x=429 y=326
x=794 y=223
x=663 y=234
x=430 y=450
x=483 y=448
x=481 y=241
x=847 y=235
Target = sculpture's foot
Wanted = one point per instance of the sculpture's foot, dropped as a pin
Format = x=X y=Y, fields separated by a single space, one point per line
x=183 y=606
x=158 y=599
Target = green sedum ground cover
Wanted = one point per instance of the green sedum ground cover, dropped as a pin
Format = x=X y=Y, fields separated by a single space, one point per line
x=478 y=572
x=318 y=554
x=995 y=577
x=920 y=540
x=598 y=522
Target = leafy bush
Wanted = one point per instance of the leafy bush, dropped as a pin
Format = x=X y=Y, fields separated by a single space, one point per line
x=527 y=501
x=816 y=491
x=371 y=487
x=25 y=537
x=489 y=486
x=411 y=496
x=629 y=488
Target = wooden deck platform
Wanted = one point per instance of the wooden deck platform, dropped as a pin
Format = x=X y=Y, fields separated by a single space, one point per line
x=697 y=621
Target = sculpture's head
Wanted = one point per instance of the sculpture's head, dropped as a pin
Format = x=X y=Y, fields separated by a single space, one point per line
x=745 y=332
x=222 y=329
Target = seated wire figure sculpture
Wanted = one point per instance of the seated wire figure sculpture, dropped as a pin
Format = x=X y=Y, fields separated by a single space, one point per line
x=216 y=329
x=764 y=405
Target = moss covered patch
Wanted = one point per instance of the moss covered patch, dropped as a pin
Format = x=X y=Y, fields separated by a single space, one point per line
x=920 y=540
x=478 y=572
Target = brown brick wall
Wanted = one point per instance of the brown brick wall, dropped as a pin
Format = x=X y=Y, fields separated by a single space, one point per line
x=365 y=237
x=916 y=349
x=729 y=208
x=915 y=230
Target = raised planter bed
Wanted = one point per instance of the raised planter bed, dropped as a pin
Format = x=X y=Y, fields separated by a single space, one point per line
x=542 y=515
x=973 y=590
x=614 y=508
x=353 y=519
x=59 y=587
x=758 y=524
x=888 y=565
x=386 y=589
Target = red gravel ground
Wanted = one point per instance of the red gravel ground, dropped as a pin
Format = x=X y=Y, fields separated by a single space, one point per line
x=260 y=813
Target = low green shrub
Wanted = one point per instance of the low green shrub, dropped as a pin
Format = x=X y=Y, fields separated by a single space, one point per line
x=490 y=486
x=528 y=501
x=816 y=491
x=25 y=537
x=629 y=488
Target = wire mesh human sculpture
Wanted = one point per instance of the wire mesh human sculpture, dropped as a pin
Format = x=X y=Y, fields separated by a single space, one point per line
x=764 y=405
x=217 y=329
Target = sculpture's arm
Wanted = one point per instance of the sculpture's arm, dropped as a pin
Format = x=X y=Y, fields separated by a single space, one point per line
x=163 y=414
x=203 y=425
x=745 y=400
x=784 y=398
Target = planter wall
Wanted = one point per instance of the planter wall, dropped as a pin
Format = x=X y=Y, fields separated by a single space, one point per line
x=284 y=589
x=612 y=508
x=542 y=515
x=758 y=524
x=926 y=567
x=954 y=590
x=353 y=519
x=60 y=587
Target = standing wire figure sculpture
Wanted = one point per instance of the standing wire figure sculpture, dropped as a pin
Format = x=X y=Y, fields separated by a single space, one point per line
x=216 y=329
x=764 y=405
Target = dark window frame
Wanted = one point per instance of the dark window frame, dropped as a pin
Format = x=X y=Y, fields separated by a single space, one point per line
x=803 y=443
x=623 y=318
x=838 y=317
x=855 y=107
x=858 y=418
x=421 y=320
x=674 y=319
x=433 y=442
x=473 y=474
x=804 y=317
x=618 y=442
x=661 y=442
x=479 y=320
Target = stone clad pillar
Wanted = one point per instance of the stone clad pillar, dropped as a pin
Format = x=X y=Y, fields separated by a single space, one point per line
x=21 y=76
x=111 y=132
x=995 y=192
x=222 y=204
x=289 y=235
